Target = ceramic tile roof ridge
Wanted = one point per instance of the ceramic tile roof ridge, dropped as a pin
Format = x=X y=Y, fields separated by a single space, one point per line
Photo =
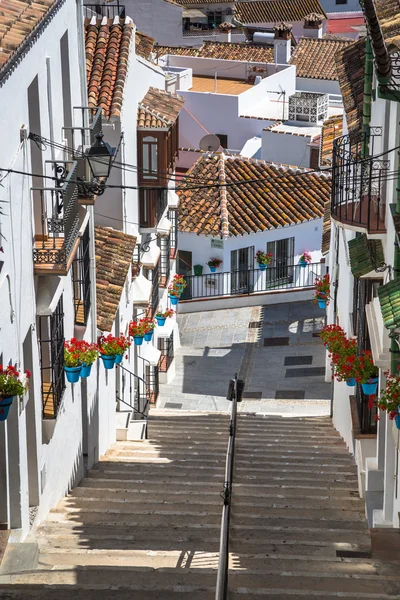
x=314 y=58
x=272 y=126
x=286 y=167
x=154 y=113
x=295 y=133
x=383 y=63
x=273 y=11
x=144 y=45
x=158 y=108
x=223 y=198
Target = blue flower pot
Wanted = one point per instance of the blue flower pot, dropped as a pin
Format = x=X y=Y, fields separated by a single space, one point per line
x=5 y=404
x=213 y=269
x=174 y=300
x=397 y=421
x=118 y=359
x=303 y=263
x=108 y=361
x=138 y=339
x=351 y=382
x=148 y=336
x=262 y=267
x=73 y=373
x=322 y=303
x=85 y=371
x=161 y=321
x=370 y=388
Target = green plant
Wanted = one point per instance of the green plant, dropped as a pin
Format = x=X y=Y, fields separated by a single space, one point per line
x=168 y=312
x=322 y=288
x=263 y=258
x=365 y=370
x=72 y=355
x=137 y=328
x=214 y=262
x=12 y=383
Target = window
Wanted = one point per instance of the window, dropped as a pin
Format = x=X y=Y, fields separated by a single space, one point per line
x=282 y=258
x=149 y=157
x=341 y=1
x=51 y=349
x=314 y=158
x=152 y=205
x=173 y=217
x=66 y=80
x=164 y=244
x=81 y=280
x=223 y=139
x=155 y=293
x=166 y=347
x=152 y=384
x=242 y=273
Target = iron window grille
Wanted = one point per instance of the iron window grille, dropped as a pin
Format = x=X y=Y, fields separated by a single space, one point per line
x=173 y=217
x=152 y=383
x=165 y=266
x=166 y=347
x=81 y=280
x=51 y=349
x=155 y=292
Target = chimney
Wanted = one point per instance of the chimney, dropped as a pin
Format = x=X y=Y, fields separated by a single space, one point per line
x=282 y=43
x=312 y=27
x=226 y=28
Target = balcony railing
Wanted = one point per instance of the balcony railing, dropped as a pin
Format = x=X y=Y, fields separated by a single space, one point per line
x=358 y=184
x=104 y=10
x=252 y=281
x=57 y=240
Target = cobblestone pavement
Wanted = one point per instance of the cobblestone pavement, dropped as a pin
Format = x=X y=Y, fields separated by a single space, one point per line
x=284 y=378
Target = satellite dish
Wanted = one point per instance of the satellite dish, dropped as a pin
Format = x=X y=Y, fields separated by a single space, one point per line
x=210 y=143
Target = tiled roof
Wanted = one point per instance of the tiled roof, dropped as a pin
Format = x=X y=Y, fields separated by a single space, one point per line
x=158 y=109
x=389 y=299
x=273 y=11
x=326 y=228
x=365 y=255
x=285 y=198
x=388 y=13
x=195 y=2
x=237 y=51
x=315 y=58
x=350 y=63
x=331 y=129
x=143 y=45
x=114 y=250
x=177 y=50
x=107 y=44
x=18 y=18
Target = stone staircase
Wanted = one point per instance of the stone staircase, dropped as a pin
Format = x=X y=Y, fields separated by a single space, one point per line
x=145 y=522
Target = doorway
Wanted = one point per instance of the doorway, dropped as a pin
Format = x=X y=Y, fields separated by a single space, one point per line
x=184 y=267
x=242 y=270
x=282 y=259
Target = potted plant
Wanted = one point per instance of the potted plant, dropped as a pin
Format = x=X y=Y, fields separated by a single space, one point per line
x=12 y=383
x=214 y=263
x=305 y=259
x=332 y=336
x=390 y=398
x=263 y=259
x=367 y=373
x=161 y=316
x=72 y=360
x=149 y=326
x=180 y=282
x=137 y=330
x=198 y=270
x=89 y=354
x=322 y=288
x=346 y=362
x=108 y=350
x=122 y=345
x=174 y=291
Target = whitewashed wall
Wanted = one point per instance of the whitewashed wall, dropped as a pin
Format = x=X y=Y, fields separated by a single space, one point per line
x=323 y=86
x=286 y=148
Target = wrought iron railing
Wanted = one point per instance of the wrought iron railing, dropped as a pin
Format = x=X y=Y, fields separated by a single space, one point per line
x=173 y=217
x=137 y=397
x=155 y=291
x=251 y=281
x=59 y=222
x=166 y=346
x=162 y=203
x=81 y=280
x=164 y=244
x=358 y=183
x=104 y=10
x=152 y=380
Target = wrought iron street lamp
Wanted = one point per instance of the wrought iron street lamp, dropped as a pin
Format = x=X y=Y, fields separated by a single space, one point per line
x=100 y=157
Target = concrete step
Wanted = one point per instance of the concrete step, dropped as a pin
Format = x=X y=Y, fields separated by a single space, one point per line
x=158 y=485
x=154 y=505
x=288 y=479
x=82 y=592
x=257 y=535
x=166 y=453
x=195 y=461
x=144 y=492
x=216 y=474
x=184 y=520
x=299 y=522
x=287 y=549
x=341 y=490
x=158 y=468
x=283 y=563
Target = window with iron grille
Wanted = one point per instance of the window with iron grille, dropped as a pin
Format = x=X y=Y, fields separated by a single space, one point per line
x=81 y=280
x=165 y=266
x=166 y=347
x=152 y=384
x=155 y=293
x=51 y=348
x=173 y=217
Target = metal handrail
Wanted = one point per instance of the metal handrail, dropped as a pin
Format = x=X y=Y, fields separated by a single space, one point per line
x=139 y=379
x=222 y=575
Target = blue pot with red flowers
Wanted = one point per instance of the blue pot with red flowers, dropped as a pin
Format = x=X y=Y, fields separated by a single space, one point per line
x=5 y=405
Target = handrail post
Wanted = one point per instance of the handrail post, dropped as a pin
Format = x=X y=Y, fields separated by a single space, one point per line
x=223 y=563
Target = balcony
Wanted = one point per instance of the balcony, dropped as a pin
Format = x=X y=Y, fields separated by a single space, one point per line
x=152 y=206
x=358 y=184
x=56 y=213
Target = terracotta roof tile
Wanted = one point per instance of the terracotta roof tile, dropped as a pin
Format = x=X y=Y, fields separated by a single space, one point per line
x=114 y=250
x=187 y=3
x=331 y=129
x=17 y=20
x=315 y=58
x=273 y=11
x=107 y=44
x=143 y=45
x=326 y=228
x=223 y=50
x=350 y=63
x=176 y=50
x=286 y=200
x=158 y=109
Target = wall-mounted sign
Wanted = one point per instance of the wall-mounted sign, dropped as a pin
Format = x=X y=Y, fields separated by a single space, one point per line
x=217 y=243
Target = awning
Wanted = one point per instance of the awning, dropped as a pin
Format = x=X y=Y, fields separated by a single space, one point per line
x=140 y=291
x=172 y=199
x=150 y=353
x=150 y=258
x=164 y=227
x=193 y=13
x=49 y=290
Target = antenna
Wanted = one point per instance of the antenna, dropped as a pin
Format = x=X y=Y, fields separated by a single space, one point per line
x=210 y=143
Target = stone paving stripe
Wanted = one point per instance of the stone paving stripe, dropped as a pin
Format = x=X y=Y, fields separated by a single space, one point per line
x=252 y=395
x=292 y=361
x=173 y=405
x=312 y=372
x=290 y=395
x=276 y=341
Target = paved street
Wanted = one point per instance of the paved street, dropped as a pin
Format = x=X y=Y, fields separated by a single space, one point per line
x=274 y=348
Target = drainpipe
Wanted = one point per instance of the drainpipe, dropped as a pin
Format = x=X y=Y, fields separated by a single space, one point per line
x=369 y=69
